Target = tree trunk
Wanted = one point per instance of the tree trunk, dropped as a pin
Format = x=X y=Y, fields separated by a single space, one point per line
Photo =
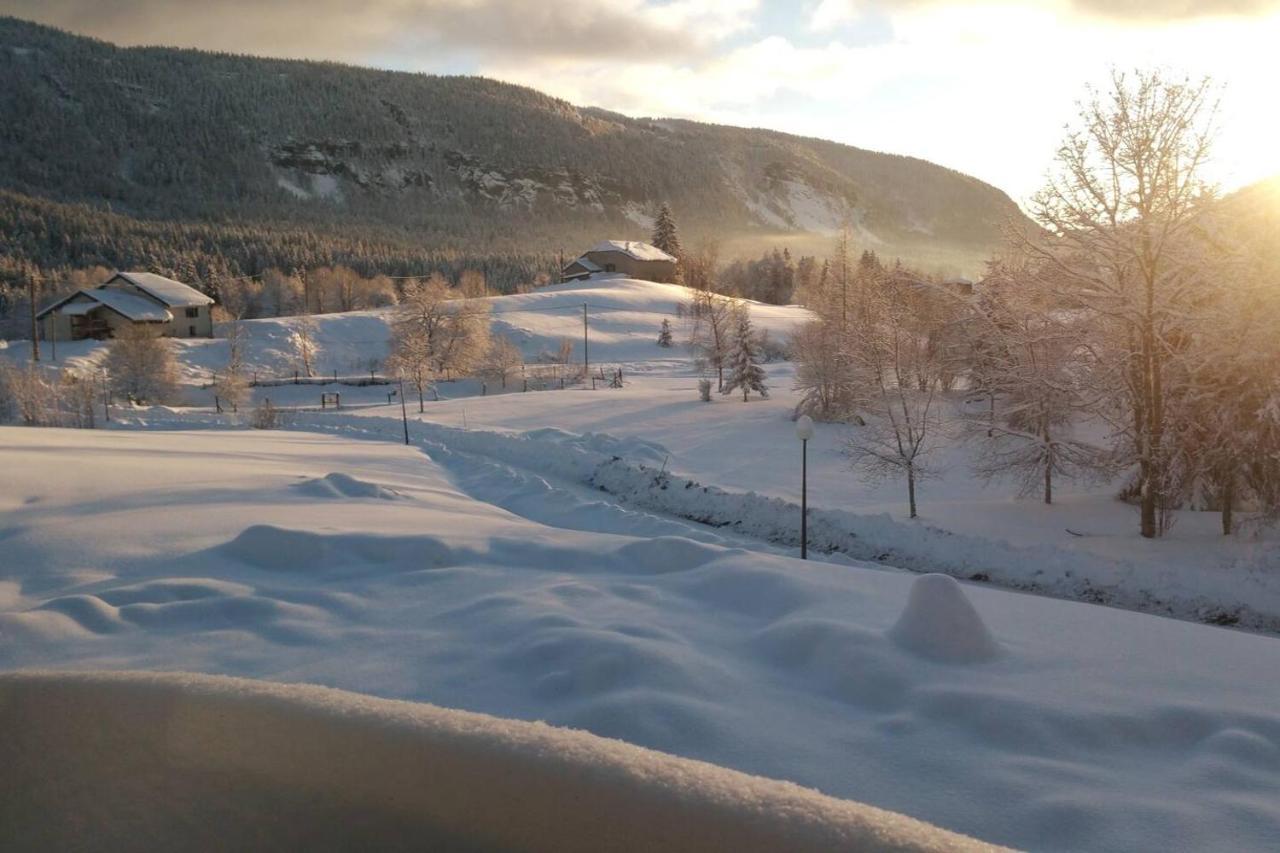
x=421 y=403
x=1048 y=468
x=1228 y=505
x=911 y=490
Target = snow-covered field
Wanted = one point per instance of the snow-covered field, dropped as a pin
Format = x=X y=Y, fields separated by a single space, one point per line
x=623 y=561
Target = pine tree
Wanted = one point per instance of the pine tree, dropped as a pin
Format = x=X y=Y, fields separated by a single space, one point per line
x=664 y=334
x=746 y=374
x=664 y=233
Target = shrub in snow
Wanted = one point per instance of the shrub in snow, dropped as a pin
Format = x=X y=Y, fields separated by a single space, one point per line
x=141 y=366
x=704 y=390
x=266 y=416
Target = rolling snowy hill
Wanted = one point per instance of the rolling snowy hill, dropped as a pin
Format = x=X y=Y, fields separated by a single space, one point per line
x=361 y=565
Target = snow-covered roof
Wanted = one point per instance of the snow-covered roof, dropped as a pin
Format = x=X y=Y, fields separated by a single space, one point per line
x=131 y=306
x=168 y=291
x=77 y=308
x=636 y=250
x=587 y=264
x=128 y=305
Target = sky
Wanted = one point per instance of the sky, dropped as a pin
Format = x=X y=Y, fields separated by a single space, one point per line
x=986 y=88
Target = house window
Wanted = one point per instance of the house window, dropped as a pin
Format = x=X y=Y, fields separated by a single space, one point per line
x=610 y=268
x=193 y=312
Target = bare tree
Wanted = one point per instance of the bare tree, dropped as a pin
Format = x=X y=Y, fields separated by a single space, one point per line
x=902 y=403
x=1123 y=210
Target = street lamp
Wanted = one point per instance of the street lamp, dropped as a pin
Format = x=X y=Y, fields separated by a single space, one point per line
x=804 y=432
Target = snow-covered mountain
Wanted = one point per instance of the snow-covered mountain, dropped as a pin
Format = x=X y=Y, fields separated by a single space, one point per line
x=178 y=134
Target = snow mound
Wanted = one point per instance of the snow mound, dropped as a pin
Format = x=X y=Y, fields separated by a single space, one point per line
x=202 y=762
x=281 y=549
x=940 y=623
x=339 y=485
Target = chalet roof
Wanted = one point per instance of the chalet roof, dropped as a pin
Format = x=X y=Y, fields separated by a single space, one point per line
x=172 y=293
x=131 y=306
x=127 y=305
x=637 y=251
x=587 y=264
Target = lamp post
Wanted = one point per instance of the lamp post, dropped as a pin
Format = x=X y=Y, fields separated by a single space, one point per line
x=404 y=412
x=804 y=432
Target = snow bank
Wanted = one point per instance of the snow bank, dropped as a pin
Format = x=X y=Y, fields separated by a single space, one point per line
x=177 y=761
x=632 y=470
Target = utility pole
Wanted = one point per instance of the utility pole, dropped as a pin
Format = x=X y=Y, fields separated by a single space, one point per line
x=31 y=297
x=586 y=351
x=106 y=399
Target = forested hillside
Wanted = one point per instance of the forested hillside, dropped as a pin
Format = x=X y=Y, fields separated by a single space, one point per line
x=214 y=150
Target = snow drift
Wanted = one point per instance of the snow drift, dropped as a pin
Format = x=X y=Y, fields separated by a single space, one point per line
x=180 y=761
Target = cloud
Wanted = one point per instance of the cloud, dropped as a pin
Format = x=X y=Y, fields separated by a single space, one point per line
x=833 y=13
x=355 y=31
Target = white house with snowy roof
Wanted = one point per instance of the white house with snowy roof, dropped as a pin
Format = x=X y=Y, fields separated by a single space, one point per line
x=170 y=307
x=628 y=257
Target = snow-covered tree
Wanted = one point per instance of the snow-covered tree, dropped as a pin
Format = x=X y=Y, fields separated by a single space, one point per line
x=1124 y=212
x=664 y=333
x=231 y=385
x=141 y=365
x=664 y=233
x=901 y=401
x=502 y=360
x=1032 y=361
x=745 y=373
x=824 y=371
x=302 y=339
x=710 y=331
x=435 y=334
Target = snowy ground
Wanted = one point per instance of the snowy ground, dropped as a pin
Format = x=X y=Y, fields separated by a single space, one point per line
x=362 y=565
x=622 y=560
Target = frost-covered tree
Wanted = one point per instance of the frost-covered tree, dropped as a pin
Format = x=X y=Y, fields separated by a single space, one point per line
x=502 y=360
x=436 y=334
x=141 y=365
x=825 y=375
x=664 y=233
x=302 y=340
x=664 y=333
x=901 y=401
x=231 y=385
x=1124 y=212
x=710 y=331
x=1032 y=360
x=745 y=373
x=411 y=360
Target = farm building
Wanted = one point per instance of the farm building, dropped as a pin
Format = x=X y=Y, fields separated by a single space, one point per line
x=174 y=309
x=635 y=260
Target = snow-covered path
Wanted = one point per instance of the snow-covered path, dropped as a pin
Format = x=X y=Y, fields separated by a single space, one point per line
x=358 y=564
